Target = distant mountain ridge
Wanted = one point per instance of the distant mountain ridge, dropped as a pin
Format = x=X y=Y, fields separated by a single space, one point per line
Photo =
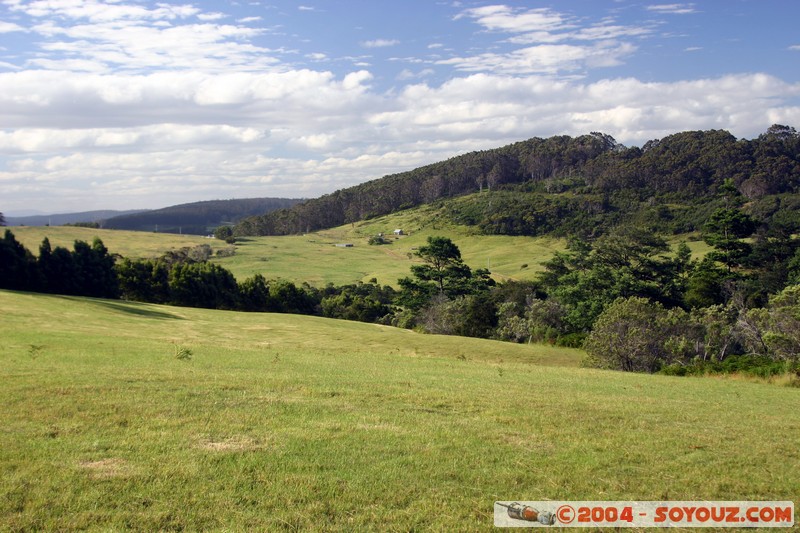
x=68 y=218
x=198 y=218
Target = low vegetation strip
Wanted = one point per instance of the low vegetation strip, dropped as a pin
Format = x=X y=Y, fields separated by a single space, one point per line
x=281 y=422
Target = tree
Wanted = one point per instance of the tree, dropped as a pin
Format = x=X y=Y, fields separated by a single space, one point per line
x=704 y=284
x=225 y=233
x=94 y=270
x=627 y=262
x=18 y=268
x=444 y=273
x=628 y=337
x=2 y=220
x=775 y=331
x=144 y=281
x=205 y=285
x=288 y=298
x=254 y=294
x=443 y=265
x=726 y=227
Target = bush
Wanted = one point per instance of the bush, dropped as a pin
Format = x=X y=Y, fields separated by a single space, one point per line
x=377 y=240
x=627 y=336
x=750 y=365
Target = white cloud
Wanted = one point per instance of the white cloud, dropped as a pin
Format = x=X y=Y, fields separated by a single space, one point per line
x=92 y=35
x=39 y=140
x=210 y=17
x=507 y=19
x=407 y=74
x=134 y=46
x=673 y=9
x=503 y=108
x=380 y=43
x=99 y=11
x=544 y=59
x=8 y=27
x=561 y=43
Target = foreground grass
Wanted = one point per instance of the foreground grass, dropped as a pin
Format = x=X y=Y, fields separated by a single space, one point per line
x=284 y=422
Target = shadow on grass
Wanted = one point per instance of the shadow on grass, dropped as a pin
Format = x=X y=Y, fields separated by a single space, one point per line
x=132 y=308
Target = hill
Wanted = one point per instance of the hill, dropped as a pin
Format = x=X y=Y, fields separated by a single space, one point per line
x=67 y=218
x=565 y=185
x=197 y=218
x=134 y=416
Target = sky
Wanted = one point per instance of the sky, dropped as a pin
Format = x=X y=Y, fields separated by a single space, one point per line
x=120 y=104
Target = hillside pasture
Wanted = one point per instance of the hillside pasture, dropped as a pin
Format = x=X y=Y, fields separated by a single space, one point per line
x=130 y=244
x=120 y=415
x=314 y=258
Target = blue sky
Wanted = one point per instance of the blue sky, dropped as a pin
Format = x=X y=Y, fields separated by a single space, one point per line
x=126 y=103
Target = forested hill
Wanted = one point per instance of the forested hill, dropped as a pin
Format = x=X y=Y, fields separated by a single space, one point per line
x=560 y=176
x=197 y=218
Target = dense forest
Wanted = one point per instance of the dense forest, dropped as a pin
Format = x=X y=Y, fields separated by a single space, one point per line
x=197 y=218
x=565 y=185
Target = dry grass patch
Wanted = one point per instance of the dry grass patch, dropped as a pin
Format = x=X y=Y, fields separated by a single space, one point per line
x=112 y=467
x=238 y=443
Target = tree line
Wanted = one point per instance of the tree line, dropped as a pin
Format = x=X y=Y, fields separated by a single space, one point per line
x=182 y=277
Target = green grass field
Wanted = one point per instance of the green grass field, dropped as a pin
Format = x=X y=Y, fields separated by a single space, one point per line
x=131 y=244
x=315 y=259
x=281 y=422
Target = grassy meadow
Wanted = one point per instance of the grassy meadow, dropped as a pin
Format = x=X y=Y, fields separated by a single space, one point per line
x=131 y=244
x=121 y=415
x=315 y=259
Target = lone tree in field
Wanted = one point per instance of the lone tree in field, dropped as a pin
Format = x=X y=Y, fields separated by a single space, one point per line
x=444 y=274
x=2 y=220
x=443 y=264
